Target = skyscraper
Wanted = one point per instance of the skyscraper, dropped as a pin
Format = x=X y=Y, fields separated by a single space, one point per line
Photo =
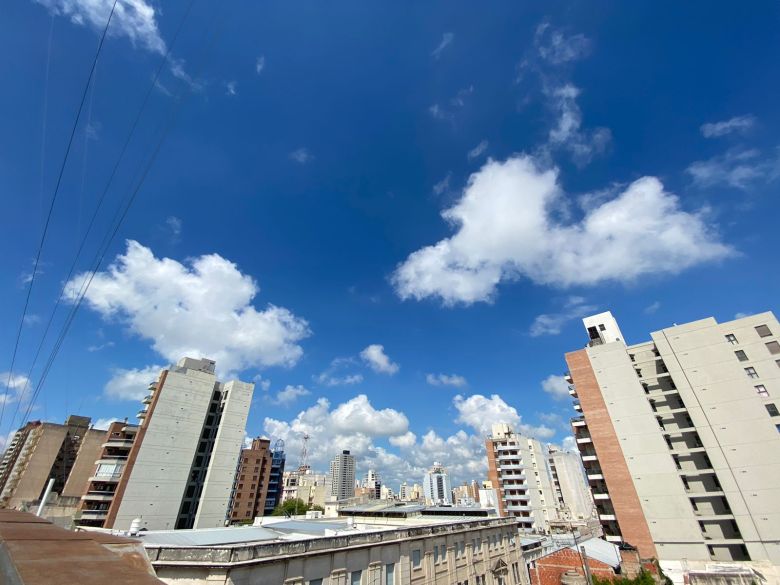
x=179 y=471
x=679 y=436
x=275 y=479
x=518 y=470
x=342 y=473
x=373 y=485
x=436 y=486
x=250 y=487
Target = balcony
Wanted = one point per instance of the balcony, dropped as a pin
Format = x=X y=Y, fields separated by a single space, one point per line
x=510 y=466
x=500 y=448
x=107 y=478
x=584 y=440
x=147 y=399
x=577 y=406
x=595 y=477
x=94 y=514
x=118 y=444
x=141 y=414
x=515 y=476
x=600 y=496
x=508 y=457
x=614 y=539
x=517 y=508
x=107 y=459
x=516 y=497
x=568 y=378
x=587 y=458
x=578 y=421
x=98 y=496
x=607 y=517
x=572 y=390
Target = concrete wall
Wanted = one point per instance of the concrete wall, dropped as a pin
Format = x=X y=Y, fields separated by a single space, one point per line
x=84 y=466
x=215 y=498
x=48 y=440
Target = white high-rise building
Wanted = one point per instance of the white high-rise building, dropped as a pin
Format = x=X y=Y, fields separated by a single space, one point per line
x=342 y=474
x=373 y=485
x=436 y=486
x=575 y=502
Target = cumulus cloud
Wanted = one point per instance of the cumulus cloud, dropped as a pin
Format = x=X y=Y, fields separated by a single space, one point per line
x=478 y=150
x=555 y=47
x=290 y=394
x=556 y=386
x=569 y=444
x=552 y=323
x=506 y=228
x=446 y=380
x=12 y=387
x=133 y=19
x=301 y=155
x=740 y=168
x=405 y=440
x=131 y=384
x=481 y=413
x=102 y=424
x=203 y=309
x=737 y=124
x=446 y=41
x=374 y=355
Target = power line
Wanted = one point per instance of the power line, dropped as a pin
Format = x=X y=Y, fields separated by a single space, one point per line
x=100 y=256
x=101 y=199
x=51 y=209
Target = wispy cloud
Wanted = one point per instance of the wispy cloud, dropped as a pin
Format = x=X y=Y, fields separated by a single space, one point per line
x=737 y=124
x=443 y=185
x=555 y=47
x=651 y=308
x=174 y=225
x=446 y=380
x=231 y=88
x=552 y=323
x=301 y=155
x=260 y=64
x=740 y=168
x=446 y=41
x=478 y=150
x=340 y=372
x=100 y=346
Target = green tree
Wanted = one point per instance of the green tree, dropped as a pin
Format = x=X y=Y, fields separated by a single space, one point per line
x=291 y=508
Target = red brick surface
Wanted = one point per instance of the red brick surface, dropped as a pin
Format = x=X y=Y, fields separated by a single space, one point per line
x=548 y=570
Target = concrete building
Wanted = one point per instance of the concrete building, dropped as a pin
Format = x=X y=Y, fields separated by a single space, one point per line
x=518 y=470
x=373 y=485
x=180 y=468
x=275 y=490
x=250 y=486
x=679 y=437
x=409 y=550
x=575 y=501
x=307 y=486
x=40 y=451
x=436 y=486
x=342 y=476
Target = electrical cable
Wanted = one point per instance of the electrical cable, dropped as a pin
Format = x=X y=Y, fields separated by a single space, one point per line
x=51 y=209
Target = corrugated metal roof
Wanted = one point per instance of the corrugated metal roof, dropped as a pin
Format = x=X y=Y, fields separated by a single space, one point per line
x=313 y=527
x=210 y=536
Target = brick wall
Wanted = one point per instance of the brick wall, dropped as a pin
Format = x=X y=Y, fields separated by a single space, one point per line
x=548 y=570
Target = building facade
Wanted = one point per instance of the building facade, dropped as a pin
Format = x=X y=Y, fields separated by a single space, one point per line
x=342 y=476
x=179 y=469
x=250 y=486
x=680 y=436
x=40 y=451
x=575 y=501
x=436 y=486
x=518 y=471
x=276 y=478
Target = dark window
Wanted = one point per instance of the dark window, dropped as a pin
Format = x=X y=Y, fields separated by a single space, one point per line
x=772 y=410
x=741 y=355
x=763 y=331
x=773 y=347
x=751 y=372
x=732 y=339
x=761 y=389
x=190 y=491
x=602 y=327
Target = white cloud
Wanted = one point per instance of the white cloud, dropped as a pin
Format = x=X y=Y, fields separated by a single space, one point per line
x=231 y=88
x=446 y=41
x=557 y=48
x=651 y=308
x=13 y=385
x=100 y=346
x=478 y=150
x=134 y=19
x=737 y=124
x=446 y=380
x=742 y=315
x=552 y=323
x=301 y=156
x=481 y=413
x=505 y=229
x=738 y=167
x=404 y=441
x=102 y=424
x=439 y=113
x=569 y=444
x=442 y=186
x=260 y=64
x=460 y=98
x=374 y=355
x=340 y=372
x=203 y=309
x=131 y=384
x=260 y=382
x=31 y=319
x=175 y=225
x=567 y=133
x=556 y=386
x=290 y=394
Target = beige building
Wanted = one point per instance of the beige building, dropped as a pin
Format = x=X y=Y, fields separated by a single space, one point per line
x=575 y=501
x=409 y=550
x=40 y=451
x=178 y=468
x=680 y=437
x=517 y=470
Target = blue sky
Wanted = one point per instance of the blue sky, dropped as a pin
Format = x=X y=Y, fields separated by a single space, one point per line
x=391 y=217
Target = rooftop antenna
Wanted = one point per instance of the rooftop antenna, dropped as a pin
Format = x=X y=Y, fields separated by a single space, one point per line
x=304 y=453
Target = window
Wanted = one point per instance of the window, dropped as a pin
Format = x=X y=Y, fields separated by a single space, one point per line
x=761 y=389
x=732 y=339
x=416 y=558
x=741 y=355
x=602 y=327
x=772 y=410
x=778 y=363
x=315 y=581
x=778 y=428
x=390 y=574
x=751 y=372
x=435 y=554
x=773 y=347
x=763 y=331
x=443 y=552
x=355 y=577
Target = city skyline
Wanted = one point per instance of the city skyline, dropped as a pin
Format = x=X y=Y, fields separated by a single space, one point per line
x=315 y=222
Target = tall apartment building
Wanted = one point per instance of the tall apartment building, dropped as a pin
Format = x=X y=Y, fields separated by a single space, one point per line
x=342 y=476
x=179 y=469
x=373 y=485
x=250 y=486
x=575 y=501
x=517 y=469
x=275 y=490
x=40 y=451
x=436 y=486
x=680 y=436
